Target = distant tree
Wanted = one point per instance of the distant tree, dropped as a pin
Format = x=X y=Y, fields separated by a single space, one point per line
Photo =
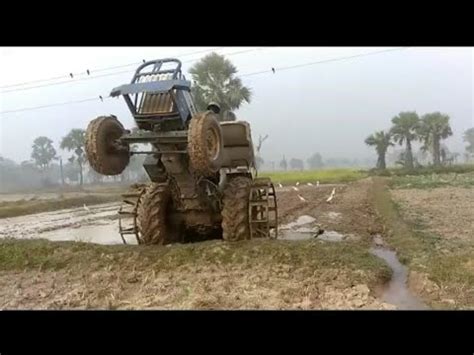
x=215 y=80
x=315 y=161
x=75 y=141
x=284 y=164
x=469 y=138
x=297 y=164
x=43 y=152
x=404 y=131
x=432 y=129
x=381 y=141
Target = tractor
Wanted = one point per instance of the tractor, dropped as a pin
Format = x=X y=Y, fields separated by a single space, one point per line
x=203 y=178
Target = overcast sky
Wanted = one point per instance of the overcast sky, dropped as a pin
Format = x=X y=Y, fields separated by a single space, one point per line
x=328 y=107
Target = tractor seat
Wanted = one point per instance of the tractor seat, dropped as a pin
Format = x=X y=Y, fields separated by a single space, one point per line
x=236 y=134
x=238 y=149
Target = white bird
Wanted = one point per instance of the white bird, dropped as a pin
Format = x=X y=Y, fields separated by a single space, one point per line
x=295 y=188
x=301 y=198
x=280 y=185
x=332 y=195
x=87 y=209
x=309 y=184
x=297 y=183
x=317 y=183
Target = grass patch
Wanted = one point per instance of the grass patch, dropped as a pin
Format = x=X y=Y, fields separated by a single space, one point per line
x=306 y=255
x=433 y=181
x=426 y=170
x=25 y=207
x=444 y=262
x=323 y=176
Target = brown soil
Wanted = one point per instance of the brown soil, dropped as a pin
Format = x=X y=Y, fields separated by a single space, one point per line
x=260 y=274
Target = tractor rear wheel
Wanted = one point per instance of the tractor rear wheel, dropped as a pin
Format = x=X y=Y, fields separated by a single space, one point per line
x=205 y=144
x=102 y=151
x=152 y=217
x=235 y=209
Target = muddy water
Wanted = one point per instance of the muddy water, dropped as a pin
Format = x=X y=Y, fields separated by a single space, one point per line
x=299 y=230
x=396 y=291
x=94 y=224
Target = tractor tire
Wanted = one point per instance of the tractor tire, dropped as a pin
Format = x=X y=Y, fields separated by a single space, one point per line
x=102 y=155
x=153 y=210
x=205 y=144
x=235 y=209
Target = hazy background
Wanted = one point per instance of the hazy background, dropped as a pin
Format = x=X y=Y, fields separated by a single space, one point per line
x=328 y=108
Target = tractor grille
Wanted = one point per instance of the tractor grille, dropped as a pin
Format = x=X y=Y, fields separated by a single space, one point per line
x=156 y=104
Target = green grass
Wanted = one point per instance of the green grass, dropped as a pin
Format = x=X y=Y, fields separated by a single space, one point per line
x=323 y=176
x=434 y=180
x=25 y=207
x=426 y=170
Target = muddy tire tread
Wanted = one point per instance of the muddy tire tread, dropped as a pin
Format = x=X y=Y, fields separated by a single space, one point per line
x=91 y=147
x=235 y=220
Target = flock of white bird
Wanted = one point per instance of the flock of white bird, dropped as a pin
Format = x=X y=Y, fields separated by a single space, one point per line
x=295 y=188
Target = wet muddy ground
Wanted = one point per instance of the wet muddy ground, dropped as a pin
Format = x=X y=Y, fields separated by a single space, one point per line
x=307 y=221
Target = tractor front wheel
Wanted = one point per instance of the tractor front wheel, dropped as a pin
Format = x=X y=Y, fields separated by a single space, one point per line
x=103 y=153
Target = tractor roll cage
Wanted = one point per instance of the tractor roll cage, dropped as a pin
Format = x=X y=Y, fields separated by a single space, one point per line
x=164 y=92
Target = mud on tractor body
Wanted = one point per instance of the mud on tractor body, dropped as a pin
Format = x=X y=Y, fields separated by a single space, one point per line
x=202 y=172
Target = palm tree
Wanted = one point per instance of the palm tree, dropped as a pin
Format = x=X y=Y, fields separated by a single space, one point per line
x=214 y=81
x=75 y=141
x=381 y=141
x=432 y=129
x=404 y=130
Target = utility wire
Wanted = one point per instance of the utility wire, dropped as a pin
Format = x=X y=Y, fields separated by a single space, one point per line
x=243 y=75
x=323 y=61
x=97 y=70
x=103 y=75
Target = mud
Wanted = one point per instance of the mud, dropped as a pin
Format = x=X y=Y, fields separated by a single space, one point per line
x=269 y=284
x=95 y=224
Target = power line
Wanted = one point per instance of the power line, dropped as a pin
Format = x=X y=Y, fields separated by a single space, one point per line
x=97 y=70
x=243 y=75
x=57 y=104
x=323 y=61
x=109 y=74
x=100 y=70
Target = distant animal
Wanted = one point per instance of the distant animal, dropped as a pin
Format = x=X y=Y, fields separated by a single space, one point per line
x=101 y=98
x=88 y=72
x=280 y=185
x=317 y=183
x=273 y=70
x=72 y=76
x=301 y=198
x=295 y=188
x=87 y=209
x=309 y=184
x=297 y=183
x=332 y=195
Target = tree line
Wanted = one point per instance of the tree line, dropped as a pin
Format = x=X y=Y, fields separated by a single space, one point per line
x=407 y=128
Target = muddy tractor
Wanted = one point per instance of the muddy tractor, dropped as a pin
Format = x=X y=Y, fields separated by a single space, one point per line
x=203 y=177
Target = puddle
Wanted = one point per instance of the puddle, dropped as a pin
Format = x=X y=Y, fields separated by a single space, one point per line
x=332 y=236
x=301 y=221
x=396 y=292
x=98 y=224
x=104 y=233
